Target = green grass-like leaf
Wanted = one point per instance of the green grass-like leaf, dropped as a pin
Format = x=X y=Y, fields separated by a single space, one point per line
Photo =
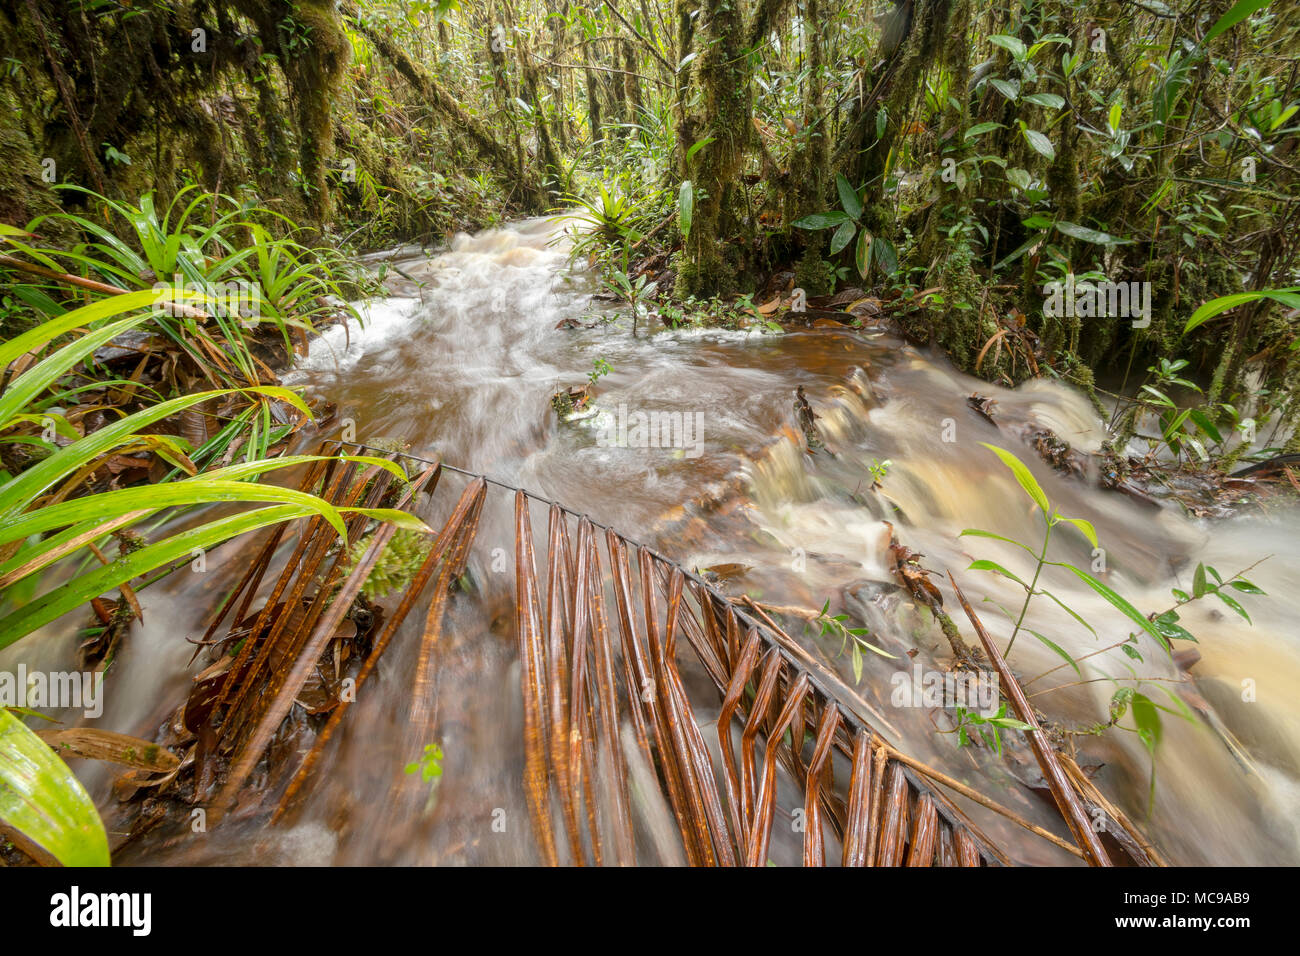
x=43 y=800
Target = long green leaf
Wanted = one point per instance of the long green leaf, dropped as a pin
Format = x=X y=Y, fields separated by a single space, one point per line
x=1086 y=527
x=111 y=504
x=1239 y=11
x=1216 y=307
x=240 y=471
x=77 y=592
x=1059 y=650
x=843 y=236
x=1023 y=475
x=24 y=390
x=19 y=493
x=1117 y=602
x=86 y=315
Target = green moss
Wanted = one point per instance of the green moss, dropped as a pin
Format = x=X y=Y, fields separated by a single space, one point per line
x=396 y=566
x=23 y=193
x=956 y=325
x=812 y=273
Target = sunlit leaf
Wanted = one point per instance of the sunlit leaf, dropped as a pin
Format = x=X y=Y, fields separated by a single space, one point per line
x=44 y=801
x=1040 y=143
x=1023 y=475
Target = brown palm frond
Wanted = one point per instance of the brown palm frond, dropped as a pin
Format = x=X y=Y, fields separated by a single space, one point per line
x=724 y=803
x=1062 y=791
x=262 y=692
x=612 y=731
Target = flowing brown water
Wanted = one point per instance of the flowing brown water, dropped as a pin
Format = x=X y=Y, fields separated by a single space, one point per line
x=462 y=363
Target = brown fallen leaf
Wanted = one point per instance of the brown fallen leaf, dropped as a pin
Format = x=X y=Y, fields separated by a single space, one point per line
x=731 y=569
x=114 y=747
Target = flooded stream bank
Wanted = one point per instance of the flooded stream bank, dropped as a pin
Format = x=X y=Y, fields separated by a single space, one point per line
x=461 y=365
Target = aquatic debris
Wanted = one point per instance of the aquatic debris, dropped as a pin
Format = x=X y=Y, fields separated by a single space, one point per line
x=397 y=564
x=573 y=403
x=807 y=421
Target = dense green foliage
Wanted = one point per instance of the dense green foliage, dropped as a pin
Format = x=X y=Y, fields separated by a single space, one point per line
x=976 y=152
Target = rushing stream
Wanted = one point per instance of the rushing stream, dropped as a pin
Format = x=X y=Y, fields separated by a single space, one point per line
x=461 y=363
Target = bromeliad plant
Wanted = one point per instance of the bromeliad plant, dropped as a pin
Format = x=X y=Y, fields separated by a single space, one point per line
x=200 y=241
x=238 y=280
x=608 y=224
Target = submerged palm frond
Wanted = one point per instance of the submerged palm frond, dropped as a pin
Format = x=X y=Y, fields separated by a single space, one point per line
x=614 y=745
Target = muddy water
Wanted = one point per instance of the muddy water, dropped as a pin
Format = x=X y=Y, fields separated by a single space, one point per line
x=461 y=361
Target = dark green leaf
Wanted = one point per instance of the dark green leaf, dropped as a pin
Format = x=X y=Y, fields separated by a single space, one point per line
x=843 y=236
x=820 y=220
x=848 y=197
x=1232 y=603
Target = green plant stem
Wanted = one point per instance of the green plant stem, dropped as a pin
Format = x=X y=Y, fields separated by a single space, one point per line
x=1029 y=595
x=1097 y=680
x=1076 y=661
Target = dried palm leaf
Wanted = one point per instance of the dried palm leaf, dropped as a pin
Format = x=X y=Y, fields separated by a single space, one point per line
x=601 y=712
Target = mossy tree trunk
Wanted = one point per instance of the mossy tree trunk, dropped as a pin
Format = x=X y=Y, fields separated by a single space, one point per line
x=308 y=40
x=809 y=173
x=594 y=119
x=864 y=157
x=724 y=75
